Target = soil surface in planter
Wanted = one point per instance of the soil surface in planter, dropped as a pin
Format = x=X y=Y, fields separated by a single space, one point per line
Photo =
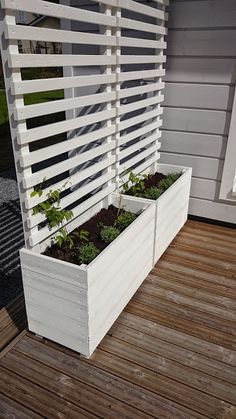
x=105 y=216
x=153 y=180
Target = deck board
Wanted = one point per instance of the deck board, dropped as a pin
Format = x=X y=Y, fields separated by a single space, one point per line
x=170 y=354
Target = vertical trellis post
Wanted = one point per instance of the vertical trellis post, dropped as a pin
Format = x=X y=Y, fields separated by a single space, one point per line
x=11 y=76
x=117 y=52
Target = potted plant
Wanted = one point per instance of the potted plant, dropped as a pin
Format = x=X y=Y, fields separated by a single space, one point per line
x=169 y=187
x=74 y=287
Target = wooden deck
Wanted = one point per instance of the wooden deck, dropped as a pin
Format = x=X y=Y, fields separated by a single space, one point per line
x=171 y=354
x=12 y=320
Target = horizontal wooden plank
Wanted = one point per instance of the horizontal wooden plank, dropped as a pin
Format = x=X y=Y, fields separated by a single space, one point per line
x=42 y=85
x=205 y=189
x=53 y=60
x=141 y=8
x=139 y=104
x=141 y=59
x=39 y=109
x=196 y=120
x=46 y=8
x=134 y=120
x=127 y=41
x=141 y=74
x=216 y=210
x=201 y=96
x=200 y=70
x=55 y=128
x=202 y=167
x=210 y=43
x=140 y=131
x=147 y=141
x=198 y=144
x=143 y=155
x=198 y=14
x=146 y=88
x=23 y=32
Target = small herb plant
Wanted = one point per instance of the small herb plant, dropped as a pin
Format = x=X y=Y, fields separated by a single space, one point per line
x=136 y=185
x=124 y=220
x=152 y=193
x=87 y=252
x=64 y=238
x=109 y=233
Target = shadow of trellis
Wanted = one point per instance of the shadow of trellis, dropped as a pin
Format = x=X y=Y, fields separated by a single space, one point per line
x=12 y=240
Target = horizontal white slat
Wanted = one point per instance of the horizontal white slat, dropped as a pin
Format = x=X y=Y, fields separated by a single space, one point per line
x=136 y=75
x=206 y=43
x=139 y=59
x=74 y=196
x=65 y=146
x=141 y=26
x=132 y=91
x=203 y=167
x=120 y=3
x=71 y=181
x=140 y=131
x=205 y=189
x=42 y=85
x=46 y=8
x=140 y=104
x=214 y=210
x=23 y=32
x=141 y=8
x=201 y=14
x=140 y=118
x=53 y=60
x=196 y=120
x=56 y=169
x=45 y=131
x=129 y=163
x=205 y=145
x=138 y=146
x=39 y=109
x=42 y=234
x=199 y=96
x=127 y=41
x=200 y=70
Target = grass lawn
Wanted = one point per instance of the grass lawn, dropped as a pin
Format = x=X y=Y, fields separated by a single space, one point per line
x=30 y=99
x=6 y=154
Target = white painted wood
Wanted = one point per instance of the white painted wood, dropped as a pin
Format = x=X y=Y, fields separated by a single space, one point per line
x=171 y=207
x=200 y=78
x=207 y=167
x=200 y=96
x=34 y=86
x=142 y=74
x=140 y=104
x=228 y=190
x=46 y=8
x=53 y=60
x=215 y=210
x=208 y=43
x=196 y=120
x=139 y=132
x=146 y=88
x=197 y=144
x=55 y=35
x=202 y=14
x=92 y=295
x=201 y=70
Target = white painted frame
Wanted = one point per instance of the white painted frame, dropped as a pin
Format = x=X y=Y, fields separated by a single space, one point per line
x=228 y=182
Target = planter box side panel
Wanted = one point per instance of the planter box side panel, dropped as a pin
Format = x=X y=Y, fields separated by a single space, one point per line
x=56 y=309
x=171 y=213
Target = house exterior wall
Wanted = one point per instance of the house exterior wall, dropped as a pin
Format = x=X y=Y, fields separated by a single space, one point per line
x=200 y=83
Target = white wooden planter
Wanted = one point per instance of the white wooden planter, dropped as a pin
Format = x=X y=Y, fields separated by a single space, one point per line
x=171 y=207
x=76 y=305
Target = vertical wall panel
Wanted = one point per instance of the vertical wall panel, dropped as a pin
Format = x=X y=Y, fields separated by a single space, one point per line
x=200 y=84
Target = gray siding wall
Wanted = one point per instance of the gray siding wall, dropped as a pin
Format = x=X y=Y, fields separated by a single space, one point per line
x=200 y=82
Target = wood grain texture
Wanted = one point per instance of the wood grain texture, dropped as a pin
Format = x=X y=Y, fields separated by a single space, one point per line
x=170 y=354
x=12 y=320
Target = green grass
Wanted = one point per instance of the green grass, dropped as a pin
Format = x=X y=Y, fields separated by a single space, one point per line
x=30 y=99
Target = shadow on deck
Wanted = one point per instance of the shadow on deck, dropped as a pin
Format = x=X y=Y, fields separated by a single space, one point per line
x=171 y=353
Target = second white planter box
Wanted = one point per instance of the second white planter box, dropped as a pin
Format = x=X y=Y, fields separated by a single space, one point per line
x=76 y=305
x=171 y=207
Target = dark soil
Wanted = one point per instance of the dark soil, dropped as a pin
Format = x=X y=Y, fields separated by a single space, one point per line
x=105 y=216
x=153 y=180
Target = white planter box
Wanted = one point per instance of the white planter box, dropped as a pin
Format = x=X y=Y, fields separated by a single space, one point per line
x=76 y=305
x=171 y=207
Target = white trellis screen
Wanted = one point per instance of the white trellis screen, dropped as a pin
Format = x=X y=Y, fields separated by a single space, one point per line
x=113 y=89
